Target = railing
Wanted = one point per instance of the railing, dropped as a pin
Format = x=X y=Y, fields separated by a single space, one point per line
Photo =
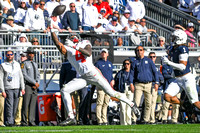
x=48 y=56
x=168 y=15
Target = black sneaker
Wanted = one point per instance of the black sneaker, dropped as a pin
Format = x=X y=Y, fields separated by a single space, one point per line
x=68 y=121
x=136 y=110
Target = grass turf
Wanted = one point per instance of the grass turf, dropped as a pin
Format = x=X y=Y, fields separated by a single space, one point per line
x=167 y=128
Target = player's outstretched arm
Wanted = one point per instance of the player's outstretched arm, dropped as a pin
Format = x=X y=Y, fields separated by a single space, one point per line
x=86 y=51
x=58 y=44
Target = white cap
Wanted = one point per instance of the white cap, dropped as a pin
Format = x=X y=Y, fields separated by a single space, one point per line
x=104 y=50
x=190 y=24
x=126 y=11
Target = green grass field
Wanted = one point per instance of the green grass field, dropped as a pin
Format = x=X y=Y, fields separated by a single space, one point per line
x=168 y=128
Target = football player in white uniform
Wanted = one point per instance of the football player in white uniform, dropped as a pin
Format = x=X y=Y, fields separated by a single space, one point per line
x=79 y=54
x=179 y=55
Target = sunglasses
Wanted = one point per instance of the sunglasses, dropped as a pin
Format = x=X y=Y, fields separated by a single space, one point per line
x=9 y=54
x=161 y=41
x=72 y=6
x=116 y=13
x=139 y=50
x=42 y=4
x=152 y=56
x=126 y=63
x=191 y=27
x=35 y=41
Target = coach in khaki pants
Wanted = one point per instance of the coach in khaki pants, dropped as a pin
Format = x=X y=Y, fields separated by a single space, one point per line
x=2 y=99
x=144 y=71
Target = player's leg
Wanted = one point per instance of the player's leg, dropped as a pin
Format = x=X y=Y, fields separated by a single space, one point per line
x=75 y=84
x=170 y=93
x=190 y=89
x=97 y=79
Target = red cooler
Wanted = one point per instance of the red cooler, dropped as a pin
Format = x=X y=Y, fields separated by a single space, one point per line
x=44 y=106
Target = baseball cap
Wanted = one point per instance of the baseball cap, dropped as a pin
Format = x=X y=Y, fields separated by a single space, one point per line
x=10 y=18
x=23 y=54
x=114 y=18
x=190 y=24
x=30 y=50
x=103 y=10
x=36 y=1
x=131 y=19
x=126 y=11
x=104 y=50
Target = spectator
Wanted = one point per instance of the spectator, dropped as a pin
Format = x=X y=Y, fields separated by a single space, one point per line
x=184 y=5
x=56 y=25
x=45 y=13
x=34 y=19
x=124 y=19
x=103 y=19
x=20 y=13
x=144 y=70
x=124 y=84
x=12 y=81
x=137 y=9
x=102 y=4
x=9 y=5
x=50 y=5
x=161 y=42
x=10 y=26
x=142 y=27
x=71 y=20
x=90 y=16
x=189 y=31
x=66 y=3
x=106 y=69
x=4 y=15
x=115 y=4
x=100 y=26
x=154 y=92
x=32 y=79
x=19 y=107
x=116 y=14
x=114 y=26
x=132 y=27
x=194 y=5
x=79 y=4
x=22 y=45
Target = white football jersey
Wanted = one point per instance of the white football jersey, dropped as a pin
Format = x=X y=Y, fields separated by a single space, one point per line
x=80 y=62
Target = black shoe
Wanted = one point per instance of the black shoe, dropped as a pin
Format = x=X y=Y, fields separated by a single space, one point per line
x=133 y=123
x=144 y=122
x=136 y=110
x=68 y=121
x=164 y=122
x=32 y=124
x=100 y=123
x=105 y=123
x=152 y=123
x=24 y=124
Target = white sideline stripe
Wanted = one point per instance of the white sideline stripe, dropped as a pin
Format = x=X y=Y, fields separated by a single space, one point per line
x=70 y=130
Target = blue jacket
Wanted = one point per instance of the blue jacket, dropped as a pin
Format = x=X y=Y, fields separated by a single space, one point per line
x=121 y=78
x=144 y=70
x=106 y=69
x=167 y=72
x=160 y=77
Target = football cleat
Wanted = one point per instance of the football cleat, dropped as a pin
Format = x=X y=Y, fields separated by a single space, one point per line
x=68 y=121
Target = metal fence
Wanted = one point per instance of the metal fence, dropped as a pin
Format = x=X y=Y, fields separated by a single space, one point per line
x=48 y=57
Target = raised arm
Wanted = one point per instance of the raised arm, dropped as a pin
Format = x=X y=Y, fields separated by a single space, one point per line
x=86 y=51
x=58 y=44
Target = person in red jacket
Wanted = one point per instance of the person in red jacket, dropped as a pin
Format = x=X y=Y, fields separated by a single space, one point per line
x=101 y=4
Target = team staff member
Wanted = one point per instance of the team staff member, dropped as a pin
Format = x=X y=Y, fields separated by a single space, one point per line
x=106 y=68
x=152 y=56
x=144 y=71
x=32 y=79
x=124 y=84
x=12 y=81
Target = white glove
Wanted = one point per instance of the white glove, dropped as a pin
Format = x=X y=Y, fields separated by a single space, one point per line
x=69 y=43
x=165 y=60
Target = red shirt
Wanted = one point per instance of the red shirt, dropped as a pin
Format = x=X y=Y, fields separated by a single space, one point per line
x=103 y=5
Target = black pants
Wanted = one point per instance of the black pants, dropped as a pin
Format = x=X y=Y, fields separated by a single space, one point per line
x=29 y=105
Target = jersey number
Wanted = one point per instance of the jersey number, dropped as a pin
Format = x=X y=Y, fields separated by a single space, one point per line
x=79 y=56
